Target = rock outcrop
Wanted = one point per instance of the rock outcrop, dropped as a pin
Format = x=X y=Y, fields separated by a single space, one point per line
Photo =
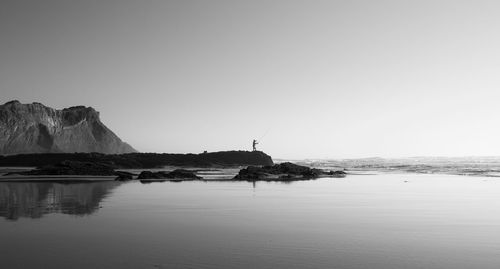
x=76 y=168
x=144 y=160
x=35 y=128
x=176 y=174
x=124 y=176
x=284 y=172
x=72 y=168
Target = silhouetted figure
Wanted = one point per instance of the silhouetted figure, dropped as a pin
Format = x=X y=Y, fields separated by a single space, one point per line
x=254 y=144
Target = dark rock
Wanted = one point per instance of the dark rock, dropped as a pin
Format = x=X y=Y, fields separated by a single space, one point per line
x=73 y=168
x=337 y=173
x=183 y=174
x=143 y=160
x=282 y=171
x=176 y=174
x=153 y=175
x=35 y=128
x=124 y=176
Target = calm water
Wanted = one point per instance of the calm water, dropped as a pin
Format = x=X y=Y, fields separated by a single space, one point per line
x=361 y=221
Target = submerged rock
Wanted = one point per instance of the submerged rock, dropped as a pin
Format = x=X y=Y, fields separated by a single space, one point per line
x=336 y=173
x=176 y=174
x=283 y=171
x=184 y=174
x=124 y=176
x=152 y=175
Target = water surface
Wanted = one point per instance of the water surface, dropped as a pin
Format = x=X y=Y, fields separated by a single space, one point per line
x=361 y=221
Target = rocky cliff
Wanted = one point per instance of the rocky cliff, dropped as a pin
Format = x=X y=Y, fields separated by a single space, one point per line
x=35 y=128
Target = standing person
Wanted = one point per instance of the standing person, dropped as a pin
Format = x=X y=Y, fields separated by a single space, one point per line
x=254 y=144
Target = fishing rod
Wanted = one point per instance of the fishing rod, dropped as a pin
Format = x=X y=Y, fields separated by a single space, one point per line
x=264 y=135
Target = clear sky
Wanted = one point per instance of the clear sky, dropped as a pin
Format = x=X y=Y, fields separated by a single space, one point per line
x=320 y=79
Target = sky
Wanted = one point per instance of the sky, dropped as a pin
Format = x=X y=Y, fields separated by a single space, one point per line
x=308 y=79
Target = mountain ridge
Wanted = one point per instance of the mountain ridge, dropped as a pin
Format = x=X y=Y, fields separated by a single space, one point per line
x=36 y=128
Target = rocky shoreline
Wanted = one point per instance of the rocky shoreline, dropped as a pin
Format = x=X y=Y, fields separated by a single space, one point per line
x=74 y=169
x=284 y=172
x=143 y=160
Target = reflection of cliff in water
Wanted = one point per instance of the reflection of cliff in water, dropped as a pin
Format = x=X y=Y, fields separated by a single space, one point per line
x=37 y=199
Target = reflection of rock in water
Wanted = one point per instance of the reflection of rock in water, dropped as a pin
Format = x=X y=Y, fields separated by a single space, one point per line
x=36 y=199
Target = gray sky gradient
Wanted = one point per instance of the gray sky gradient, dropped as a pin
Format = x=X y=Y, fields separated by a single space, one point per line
x=328 y=79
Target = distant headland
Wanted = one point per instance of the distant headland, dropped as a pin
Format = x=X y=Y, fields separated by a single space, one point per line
x=36 y=128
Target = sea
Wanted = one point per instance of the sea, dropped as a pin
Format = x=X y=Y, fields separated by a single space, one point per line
x=386 y=213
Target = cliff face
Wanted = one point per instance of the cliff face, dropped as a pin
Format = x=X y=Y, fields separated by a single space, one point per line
x=35 y=128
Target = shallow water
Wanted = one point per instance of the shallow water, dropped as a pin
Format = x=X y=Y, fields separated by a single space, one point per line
x=361 y=221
